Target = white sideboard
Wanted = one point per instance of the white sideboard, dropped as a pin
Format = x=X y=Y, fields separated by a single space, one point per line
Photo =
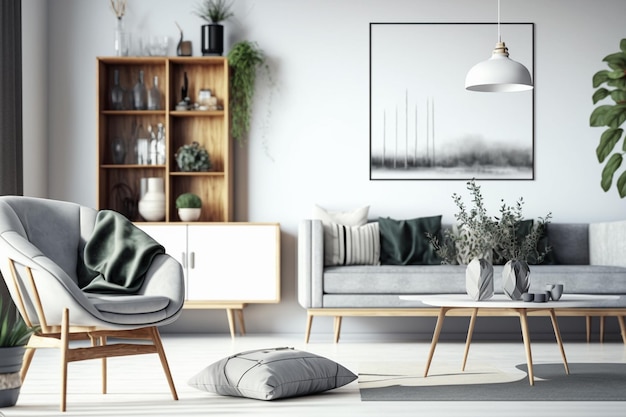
x=226 y=265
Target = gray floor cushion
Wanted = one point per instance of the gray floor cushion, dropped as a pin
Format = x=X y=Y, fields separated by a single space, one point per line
x=269 y=374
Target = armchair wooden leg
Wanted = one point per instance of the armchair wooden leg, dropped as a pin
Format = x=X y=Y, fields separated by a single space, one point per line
x=28 y=358
x=156 y=339
x=103 y=342
x=64 y=356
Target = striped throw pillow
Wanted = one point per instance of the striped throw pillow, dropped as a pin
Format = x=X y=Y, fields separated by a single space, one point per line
x=353 y=245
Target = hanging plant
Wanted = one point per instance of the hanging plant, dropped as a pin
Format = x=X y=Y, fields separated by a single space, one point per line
x=244 y=59
x=611 y=116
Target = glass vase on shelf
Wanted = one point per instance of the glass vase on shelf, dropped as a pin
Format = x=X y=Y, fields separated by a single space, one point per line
x=154 y=95
x=122 y=39
x=117 y=92
x=139 y=94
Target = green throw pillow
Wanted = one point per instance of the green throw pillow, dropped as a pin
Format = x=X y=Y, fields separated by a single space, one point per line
x=404 y=242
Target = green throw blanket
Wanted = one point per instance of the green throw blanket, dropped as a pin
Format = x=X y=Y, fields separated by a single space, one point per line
x=116 y=256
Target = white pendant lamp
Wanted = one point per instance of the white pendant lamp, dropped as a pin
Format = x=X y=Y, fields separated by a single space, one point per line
x=498 y=74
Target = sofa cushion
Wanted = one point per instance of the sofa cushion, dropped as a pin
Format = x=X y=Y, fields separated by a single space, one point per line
x=354 y=245
x=357 y=217
x=269 y=374
x=405 y=242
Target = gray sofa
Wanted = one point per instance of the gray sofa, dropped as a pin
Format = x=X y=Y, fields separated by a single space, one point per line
x=590 y=259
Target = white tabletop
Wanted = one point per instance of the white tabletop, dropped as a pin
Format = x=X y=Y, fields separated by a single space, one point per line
x=502 y=301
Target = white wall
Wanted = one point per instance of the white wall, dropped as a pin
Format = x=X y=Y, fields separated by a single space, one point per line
x=310 y=141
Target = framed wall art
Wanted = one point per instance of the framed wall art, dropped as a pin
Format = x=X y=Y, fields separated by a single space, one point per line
x=424 y=125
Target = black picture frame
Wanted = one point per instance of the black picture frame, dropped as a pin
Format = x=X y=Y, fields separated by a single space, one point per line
x=424 y=125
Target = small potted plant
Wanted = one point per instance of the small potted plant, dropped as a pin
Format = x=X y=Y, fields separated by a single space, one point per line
x=189 y=207
x=14 y=335
x=193 y=158
x=213 y=12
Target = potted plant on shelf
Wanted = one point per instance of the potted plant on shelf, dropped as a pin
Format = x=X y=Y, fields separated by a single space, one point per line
x=611 y=116
x=244 y=59
x=213 y=12
x=14 y=335
x=193 y=158
x=189 y=207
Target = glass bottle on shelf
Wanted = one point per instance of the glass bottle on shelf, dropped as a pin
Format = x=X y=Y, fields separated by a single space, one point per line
x=117 y=92
x=154 y=96
x=139 y=93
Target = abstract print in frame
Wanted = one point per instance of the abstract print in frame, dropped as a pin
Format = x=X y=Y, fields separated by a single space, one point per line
x=424 y=125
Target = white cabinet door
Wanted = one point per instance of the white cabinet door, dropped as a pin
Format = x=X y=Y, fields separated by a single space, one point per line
x=234 y=262
x=174 y=240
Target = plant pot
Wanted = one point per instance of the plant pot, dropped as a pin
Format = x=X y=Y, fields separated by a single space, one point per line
x=479 y=279
x=10 y=382
x=515 y=279
x=212 y=39
x=189 y=214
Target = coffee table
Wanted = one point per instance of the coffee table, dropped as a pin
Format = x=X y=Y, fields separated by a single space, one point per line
x=500 y=305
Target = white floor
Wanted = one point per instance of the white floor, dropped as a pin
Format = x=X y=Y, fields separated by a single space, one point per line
x=137 y=386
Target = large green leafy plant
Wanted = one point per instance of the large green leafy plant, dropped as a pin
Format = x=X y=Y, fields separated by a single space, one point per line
x=611 y=83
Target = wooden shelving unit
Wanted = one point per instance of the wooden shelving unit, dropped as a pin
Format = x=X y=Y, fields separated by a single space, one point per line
x=119 y=183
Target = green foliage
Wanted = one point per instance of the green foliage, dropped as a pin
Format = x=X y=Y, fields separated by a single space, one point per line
x=193 y=158
x=510 y=245
x=13 y=330
x=481 y=235
x=214 y=11
x=188 y=200
x=476 y=230
x=611 y=116
x=244 y=58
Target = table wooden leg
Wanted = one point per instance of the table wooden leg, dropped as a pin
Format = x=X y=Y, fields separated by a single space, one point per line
x=588 y=327
x=525 y=334
x=559 y=341
x=433 y=345
x=470 y=332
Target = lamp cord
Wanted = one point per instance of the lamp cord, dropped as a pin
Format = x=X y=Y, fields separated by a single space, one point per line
x=499 y=36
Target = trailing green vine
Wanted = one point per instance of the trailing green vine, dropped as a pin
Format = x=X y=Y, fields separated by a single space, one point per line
x=244 y=58
x=611 y=116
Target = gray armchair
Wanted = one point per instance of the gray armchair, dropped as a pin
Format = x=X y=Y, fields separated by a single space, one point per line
x=41 y=242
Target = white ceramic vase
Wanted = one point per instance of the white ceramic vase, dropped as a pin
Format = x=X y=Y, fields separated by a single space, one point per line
x=152 y=204
x=479 y=279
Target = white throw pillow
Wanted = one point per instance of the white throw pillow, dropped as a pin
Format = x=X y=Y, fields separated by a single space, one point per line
x=356 y=217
